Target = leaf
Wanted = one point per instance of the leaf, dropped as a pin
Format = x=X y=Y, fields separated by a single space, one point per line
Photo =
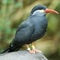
x=53 y=23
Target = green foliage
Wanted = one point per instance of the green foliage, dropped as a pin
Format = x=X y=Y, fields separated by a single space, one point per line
x=7 y=1
x=18 y=5
x=53 y=23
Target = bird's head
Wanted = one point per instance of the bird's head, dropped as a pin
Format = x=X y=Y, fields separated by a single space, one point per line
x=43 y=9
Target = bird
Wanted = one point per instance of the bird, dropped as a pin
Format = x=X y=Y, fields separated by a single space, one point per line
x=31 y=29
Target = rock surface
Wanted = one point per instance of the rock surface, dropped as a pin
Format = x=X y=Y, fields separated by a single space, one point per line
x=22 y=55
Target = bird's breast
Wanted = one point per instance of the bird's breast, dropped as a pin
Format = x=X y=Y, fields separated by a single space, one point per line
x=40 y=29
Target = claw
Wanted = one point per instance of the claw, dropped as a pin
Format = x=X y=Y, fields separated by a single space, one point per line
x=34 y=51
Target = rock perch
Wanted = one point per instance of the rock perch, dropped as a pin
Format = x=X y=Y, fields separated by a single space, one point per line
x=22 y=55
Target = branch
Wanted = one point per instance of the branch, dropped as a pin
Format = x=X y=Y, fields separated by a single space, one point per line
x=22 y=55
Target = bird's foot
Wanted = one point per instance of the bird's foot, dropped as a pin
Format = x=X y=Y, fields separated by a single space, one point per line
x=33 y=51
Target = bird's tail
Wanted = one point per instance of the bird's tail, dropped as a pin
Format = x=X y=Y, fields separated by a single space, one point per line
x=14 y=46
x=10 y=49
x=5 y=51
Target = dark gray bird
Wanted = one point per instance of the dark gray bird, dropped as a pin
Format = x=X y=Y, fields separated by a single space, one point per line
x=33 y=28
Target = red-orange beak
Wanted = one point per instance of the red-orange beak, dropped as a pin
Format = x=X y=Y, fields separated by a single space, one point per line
x=51 y=11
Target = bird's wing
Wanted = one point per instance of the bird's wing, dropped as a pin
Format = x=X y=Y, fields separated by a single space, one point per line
x=24 y=32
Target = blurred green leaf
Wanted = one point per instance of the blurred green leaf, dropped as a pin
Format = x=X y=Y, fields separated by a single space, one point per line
x=53 y=23
x=18 y=5
x=7 y=1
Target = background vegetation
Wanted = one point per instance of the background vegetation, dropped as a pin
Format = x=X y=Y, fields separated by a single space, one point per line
x=13 y=12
